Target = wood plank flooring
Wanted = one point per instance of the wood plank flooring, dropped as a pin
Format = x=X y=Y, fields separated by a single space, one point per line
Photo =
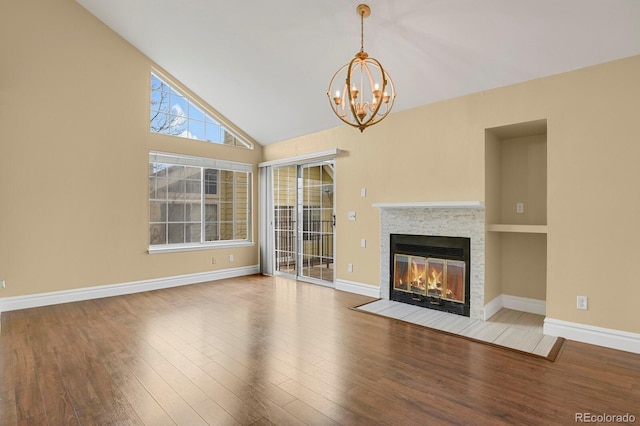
x=521 y=331
x=271 y=351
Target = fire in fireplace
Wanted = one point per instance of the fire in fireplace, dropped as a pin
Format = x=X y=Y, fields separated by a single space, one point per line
x=431 y=271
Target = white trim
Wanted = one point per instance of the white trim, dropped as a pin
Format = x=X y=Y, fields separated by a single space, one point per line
x=190 y=160
x=522 y=304
x=316 y=156
x=266 y=230
x=175 y=248
x=607 y=337
x=88 y=293
x=432 y=205
x=358 y=288
x=492 y=308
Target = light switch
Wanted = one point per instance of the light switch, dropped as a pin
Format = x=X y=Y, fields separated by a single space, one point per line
x=363 y=192
x=363 y=243
x=352 y=215
x=582 y=303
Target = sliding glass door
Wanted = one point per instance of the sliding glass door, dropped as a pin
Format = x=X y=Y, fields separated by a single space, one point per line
x=303 y=200
x=285 y=202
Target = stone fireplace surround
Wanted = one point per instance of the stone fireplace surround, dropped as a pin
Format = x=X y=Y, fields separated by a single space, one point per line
x=448 y=219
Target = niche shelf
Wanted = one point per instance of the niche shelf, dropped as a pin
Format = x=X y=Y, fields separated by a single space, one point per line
x=524 y=229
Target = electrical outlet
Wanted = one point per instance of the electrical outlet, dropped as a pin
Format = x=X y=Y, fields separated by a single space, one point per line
x=582 y=303
x=363 y=243
x=213 y=261
x=3 y=284
x=230 y=258
x=351 y=215
x=363 y=192
x=350 y=267
x=519 y=207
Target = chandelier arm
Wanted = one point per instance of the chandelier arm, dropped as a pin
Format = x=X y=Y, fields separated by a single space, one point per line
x=345 y=89
x=332 y=100
x=352 y=101
x=344 y=97
x=344 y=119
x=392 y=96
x=371 y=78
x=371 y=84
x=363 y=102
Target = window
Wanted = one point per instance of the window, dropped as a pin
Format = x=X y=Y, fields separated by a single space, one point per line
x=311 y=221
x=211 y=181
x=196 y=202
x=174 y=113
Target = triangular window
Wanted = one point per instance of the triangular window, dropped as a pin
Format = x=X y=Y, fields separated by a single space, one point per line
x=174 y=113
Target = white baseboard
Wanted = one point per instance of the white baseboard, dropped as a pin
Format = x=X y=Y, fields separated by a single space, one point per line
x=358 y=288
x=607 y=337
x=87 y=293
x=523 y=304
x=492 y=308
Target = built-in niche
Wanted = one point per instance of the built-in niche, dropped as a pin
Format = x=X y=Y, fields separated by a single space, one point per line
x=516 y=210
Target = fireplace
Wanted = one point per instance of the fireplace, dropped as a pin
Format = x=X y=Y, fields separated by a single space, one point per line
x=431 y=271
x=461 y=219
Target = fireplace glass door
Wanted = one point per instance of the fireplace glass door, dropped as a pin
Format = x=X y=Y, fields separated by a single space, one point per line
x=431 y=272
x=433 y=277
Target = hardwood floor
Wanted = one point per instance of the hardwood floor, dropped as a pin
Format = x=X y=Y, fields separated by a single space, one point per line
x=272 y=351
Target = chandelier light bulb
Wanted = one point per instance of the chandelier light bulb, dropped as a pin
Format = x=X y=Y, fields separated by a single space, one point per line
x=368 y=72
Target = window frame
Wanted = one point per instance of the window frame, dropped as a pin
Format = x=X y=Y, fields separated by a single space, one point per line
x=203 y=163
x=209 y=117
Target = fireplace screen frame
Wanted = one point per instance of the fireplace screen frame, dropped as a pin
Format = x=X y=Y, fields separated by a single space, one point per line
x=422 y=249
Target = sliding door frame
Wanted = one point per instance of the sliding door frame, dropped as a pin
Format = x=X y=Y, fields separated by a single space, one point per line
x=268 y=206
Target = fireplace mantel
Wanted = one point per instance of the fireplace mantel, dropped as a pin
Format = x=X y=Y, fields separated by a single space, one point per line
x=432 y=205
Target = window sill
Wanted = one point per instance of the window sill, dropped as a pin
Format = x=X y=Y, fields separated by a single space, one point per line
x=195 y=247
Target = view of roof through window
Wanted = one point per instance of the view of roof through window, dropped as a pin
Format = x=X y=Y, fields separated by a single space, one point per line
x=174 y=113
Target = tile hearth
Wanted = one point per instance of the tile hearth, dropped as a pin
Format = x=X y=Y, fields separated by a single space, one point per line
x=516 y=330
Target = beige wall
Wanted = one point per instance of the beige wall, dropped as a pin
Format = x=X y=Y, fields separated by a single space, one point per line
x=493 y=198
x=524 y=180
x=523 y=264
x=74 y=146
x=436 y=153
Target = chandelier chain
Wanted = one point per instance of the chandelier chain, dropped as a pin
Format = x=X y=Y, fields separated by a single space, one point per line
x=362 y=31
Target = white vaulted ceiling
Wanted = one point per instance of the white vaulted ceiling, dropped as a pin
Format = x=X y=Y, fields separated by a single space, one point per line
x=266 y=65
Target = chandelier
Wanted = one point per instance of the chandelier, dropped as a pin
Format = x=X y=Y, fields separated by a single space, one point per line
x=361 y=93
